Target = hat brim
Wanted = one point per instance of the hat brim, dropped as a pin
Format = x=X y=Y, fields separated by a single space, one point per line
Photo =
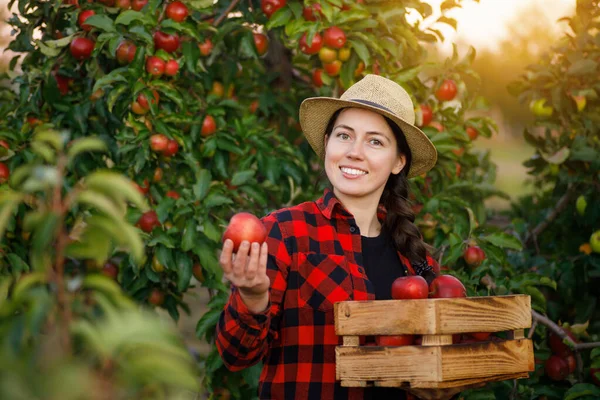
x=315 y=113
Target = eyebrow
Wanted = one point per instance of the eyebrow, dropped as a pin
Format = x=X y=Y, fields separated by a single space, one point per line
x=368 y=133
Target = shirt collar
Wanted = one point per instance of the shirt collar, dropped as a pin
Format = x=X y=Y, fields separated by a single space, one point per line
x=328 y=203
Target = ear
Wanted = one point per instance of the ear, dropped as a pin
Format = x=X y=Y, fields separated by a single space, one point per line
x=400 y=163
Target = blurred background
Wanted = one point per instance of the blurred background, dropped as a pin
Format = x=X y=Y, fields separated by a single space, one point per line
x=508 y=35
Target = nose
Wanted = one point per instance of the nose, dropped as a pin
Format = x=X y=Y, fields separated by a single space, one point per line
x=356 y=150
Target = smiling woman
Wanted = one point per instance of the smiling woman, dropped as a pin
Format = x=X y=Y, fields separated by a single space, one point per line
x=350 y=244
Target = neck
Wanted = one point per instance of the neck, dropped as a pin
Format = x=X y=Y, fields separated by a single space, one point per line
x=364 y=210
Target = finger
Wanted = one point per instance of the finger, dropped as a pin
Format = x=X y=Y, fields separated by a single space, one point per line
x=225 y=258
x=253 y=262
x=262 y=261
x=241 y=257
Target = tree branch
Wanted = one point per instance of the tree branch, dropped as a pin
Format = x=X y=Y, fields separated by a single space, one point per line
x=233 y=4
x=560 y=206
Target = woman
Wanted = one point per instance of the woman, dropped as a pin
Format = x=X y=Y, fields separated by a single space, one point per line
x=350 y=244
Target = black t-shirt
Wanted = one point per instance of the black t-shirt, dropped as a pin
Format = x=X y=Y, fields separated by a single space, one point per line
x=382 y=266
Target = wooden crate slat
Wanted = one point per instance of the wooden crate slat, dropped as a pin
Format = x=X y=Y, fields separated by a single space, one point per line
x=433 y=363
x=433 y=316
x=462 y=383
x=372 y=363
x=486 y=359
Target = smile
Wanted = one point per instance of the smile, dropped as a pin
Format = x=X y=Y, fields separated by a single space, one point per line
x=353 y=171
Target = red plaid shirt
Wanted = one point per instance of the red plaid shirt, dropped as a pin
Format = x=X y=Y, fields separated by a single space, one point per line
x=314 y=261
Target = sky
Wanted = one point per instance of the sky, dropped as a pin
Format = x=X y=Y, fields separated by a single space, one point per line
x=484 y=24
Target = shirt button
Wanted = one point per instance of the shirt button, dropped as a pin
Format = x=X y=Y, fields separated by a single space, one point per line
x=352 y=229
x=361 y=270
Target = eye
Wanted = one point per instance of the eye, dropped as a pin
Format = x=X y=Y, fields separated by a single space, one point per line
x=376 y=142
x=343 y=135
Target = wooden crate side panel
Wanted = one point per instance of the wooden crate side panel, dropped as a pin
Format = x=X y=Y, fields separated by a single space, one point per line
x=384 y=317
x=471 y=361
x=388 y=363
x=484 y=314
x=433 y=316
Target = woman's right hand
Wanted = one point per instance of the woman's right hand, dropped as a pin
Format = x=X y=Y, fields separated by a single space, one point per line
x=247 y=270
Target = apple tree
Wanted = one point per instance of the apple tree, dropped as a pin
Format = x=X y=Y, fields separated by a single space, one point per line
x=560 y=222
x=197 y=102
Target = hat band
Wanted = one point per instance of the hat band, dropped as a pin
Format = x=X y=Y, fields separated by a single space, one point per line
x=370 y=103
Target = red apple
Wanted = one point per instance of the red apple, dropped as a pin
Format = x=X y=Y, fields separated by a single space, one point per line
x=172 y=194
x=155 y=66
x=111 y=270
x=427 y=114
x=123 y=4
x=205 y=47
x=148 y=221
x=446 y=286
x=394 y=340
x=333 y=69
x=172 y=148
x=4 y=173
x=410 y=287
x=556 y=368
x=137 y=5
x=209 y=126
x=315 y=45
x=474 y=256
x=269 y=7
x=480 y=336
x=317 y=77
x=81 y=48
x=177 y=11
x=595 y=374
x=143 y=100
x=126 y=52
x=447 y=90
x=85 y=14
x=157 y=297
x=261 y=42
x=158 y=142
x=166 y=42
x=171 y=68
x=472 y=132
x=245 y=226
x=198 y=272
x=310 y=12
x=334 y=37
x=558 y=346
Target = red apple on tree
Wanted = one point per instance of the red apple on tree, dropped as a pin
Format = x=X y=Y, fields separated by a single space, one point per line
x=111 y=270
x=148 y=221
x=171 y=68
x=205 y=47
x=333 y=69
x=165 y=41
x=426 y=114
x=85 y=14
x=157 y=297
x=261 y=42
x=446 y=286
x=198 y=272
x=269 y=7
x=556 y=368
x=245 y=226
x=126 y=52
x=158 y=142
x=310 y=12
x=143 y=100
x=155 y=66
x=173 y=194
x=172 y=148
x=447 y=90
x=137 y=5
x=472 y=132
x=209 y=126
x=410 y=287
x=81 y=48
x=558 y=346
x=474 y=256
x=313 y=47
x=4 y=173
x=317 y=77
x=334 y=37
x=177 y=11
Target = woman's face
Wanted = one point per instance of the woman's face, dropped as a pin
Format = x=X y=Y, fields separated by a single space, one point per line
x=360 y=154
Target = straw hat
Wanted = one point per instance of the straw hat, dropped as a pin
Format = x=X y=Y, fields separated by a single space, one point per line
x=378 y=94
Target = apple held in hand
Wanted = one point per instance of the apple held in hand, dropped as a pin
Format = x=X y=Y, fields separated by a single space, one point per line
x=245 y=226
x=445 y=287
x=410 y=287
x=394 y=340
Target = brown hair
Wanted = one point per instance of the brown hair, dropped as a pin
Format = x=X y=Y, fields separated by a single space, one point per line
x=400 y=218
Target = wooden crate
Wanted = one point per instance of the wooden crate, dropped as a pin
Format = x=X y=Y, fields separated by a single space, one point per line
x=437 y=363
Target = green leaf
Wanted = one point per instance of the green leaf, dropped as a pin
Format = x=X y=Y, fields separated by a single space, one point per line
x=116 y=75
x=280 y=18
x=241 y=177
x=184 y=271
x=202 y=185
x=117 y=186
x=17 y=264
x=216 y=199
x=170 y=91
x=85 y=144
x=47 y=50
x=362 y=51
x=503 y=240
x=190 y=236
x=559 y=157
x=207 y=323
x=127 y=17
x=101 y=21
x=9 y=201
x=582 y=67
x=582 y=389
